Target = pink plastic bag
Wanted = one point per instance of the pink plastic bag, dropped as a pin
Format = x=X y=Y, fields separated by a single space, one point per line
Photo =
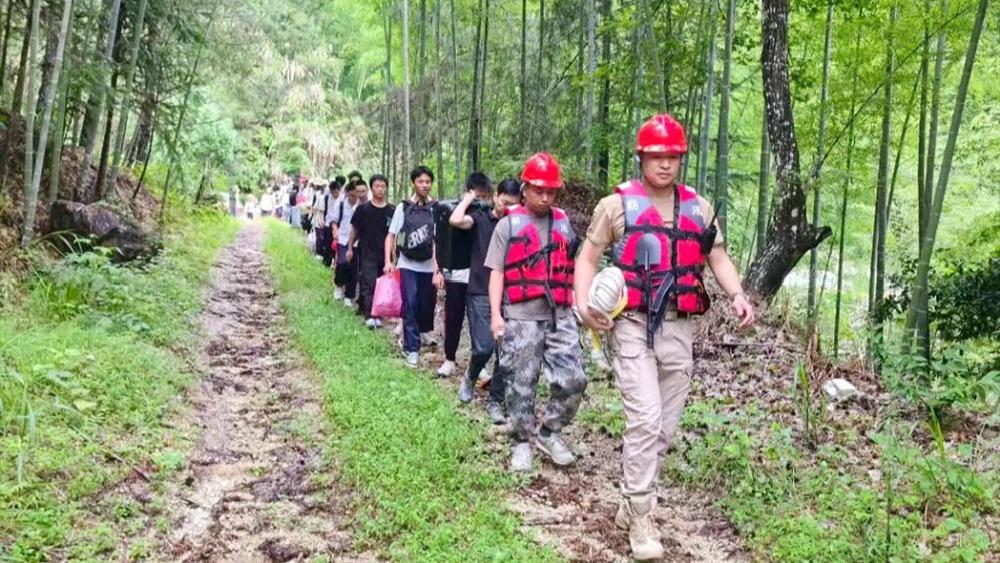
x=387 y=302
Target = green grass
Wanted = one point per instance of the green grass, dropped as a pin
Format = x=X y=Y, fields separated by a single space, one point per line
x=427 y=488
x=90 y=363
x=794 y=504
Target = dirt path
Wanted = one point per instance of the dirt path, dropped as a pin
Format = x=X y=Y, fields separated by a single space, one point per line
x=574 y=509
x=257 y=486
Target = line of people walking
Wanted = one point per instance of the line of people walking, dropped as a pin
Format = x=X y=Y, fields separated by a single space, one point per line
x=511 y=265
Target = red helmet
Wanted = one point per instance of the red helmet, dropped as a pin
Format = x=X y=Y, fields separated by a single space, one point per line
x=662 y=133
x=543 y=171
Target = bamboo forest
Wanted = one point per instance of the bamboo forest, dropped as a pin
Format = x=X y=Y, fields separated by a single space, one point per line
x=499 y=280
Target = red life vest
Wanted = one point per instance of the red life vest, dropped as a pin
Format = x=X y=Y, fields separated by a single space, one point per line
x=681 y=250
x=536 y=271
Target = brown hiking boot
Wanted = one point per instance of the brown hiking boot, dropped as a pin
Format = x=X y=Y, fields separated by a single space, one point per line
x=636 y=516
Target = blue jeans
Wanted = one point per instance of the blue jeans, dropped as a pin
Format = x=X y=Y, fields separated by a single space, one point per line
x=419 y=299
x=483 y=346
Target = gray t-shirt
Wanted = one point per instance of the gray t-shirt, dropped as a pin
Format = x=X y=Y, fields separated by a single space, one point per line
x=404 y=263
x=496 y=257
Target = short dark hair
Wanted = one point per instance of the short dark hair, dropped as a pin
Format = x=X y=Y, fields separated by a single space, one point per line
x=509 y=186
x=334 y=185
x=479 y=182
x=420 y=171
x=340 y=180
x=378 y=177
x=355 y=174
x=358 y=183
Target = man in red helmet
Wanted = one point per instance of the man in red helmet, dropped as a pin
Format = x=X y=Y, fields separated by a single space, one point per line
x=662 y=238
x=531 y=296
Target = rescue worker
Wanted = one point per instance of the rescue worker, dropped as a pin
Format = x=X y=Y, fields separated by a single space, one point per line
x=662 y=238
x=531 y=295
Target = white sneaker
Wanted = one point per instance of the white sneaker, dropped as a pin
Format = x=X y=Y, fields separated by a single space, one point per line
x=521 y=458
x=370 y=323
x=378 y=323
x=446 y=369
x=338 y=294
x=412 y=359
x=348 y=302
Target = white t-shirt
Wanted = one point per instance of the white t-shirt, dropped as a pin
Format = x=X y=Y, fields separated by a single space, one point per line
x=404 y=263
x=341 y=213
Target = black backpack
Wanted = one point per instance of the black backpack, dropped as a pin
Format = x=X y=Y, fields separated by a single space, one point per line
x=416 y=239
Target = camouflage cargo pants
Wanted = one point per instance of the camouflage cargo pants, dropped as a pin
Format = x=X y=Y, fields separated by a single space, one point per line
x=528 y=347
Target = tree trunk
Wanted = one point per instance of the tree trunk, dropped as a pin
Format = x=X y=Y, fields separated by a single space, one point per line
x=588 y=126
x=604 y=152
x=537 y=132
x=922 y=202
x=456 y=135
x=477 y=78
x=59 y=130
x=763 y=187
x=522 y=90
x=180 y=119
x=30 y=194
x=387 y=32
x=102 y=165
x=877 y=289
x=918 y=306
x=704 y=132
x=815 y=177
x=23 y=66
x=48 y=101
x=439 y=127
x=790 y=235
x=6 y=43
x=722 y=152
x=843 y=202
x=123 y=107
x=654 y=46
x=111 y=31
x=406 y=80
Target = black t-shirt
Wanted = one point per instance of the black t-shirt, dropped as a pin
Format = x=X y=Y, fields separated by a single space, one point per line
x=483 y=223
x=371 y=226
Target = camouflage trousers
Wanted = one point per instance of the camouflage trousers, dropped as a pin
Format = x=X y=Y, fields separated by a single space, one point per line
x=528 y=348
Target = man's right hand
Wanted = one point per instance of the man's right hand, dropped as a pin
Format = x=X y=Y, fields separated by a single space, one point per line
x=468 y=197
x=497 y=325
x=598 y=323
x=350 y=254
x=388 y=268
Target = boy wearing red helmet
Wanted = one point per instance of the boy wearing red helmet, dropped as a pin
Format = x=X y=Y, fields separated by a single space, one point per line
x=662 y=238
x=531 y=296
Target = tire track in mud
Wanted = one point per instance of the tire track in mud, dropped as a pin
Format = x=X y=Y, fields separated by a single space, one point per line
x=257 y=486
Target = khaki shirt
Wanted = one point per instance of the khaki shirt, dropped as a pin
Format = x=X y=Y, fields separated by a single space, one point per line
x=608 y=224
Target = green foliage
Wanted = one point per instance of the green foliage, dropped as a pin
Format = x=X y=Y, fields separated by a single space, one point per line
x=794 y=505
x=426 y=485
x=86 y=376
x=959 y=377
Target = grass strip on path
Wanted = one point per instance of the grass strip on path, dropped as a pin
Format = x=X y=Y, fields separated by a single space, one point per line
x=90 y=363
x=427 y=488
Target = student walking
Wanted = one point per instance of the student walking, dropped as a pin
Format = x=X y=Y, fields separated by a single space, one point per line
x=474 y=214
x=345 y=278
x=411 y=234
x=366 y=244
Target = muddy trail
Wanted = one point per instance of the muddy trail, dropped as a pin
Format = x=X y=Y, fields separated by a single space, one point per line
x=257 y=486
x=573 y=509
